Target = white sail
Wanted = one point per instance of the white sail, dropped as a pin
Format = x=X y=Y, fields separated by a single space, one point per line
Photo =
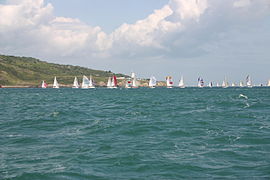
x=233 y=85
x=91 y=84
x=248 y=81
x=225 y=83
x=268 y=83
x=241 y=84
x=152 y=82
x=210 y=84
x=217 y=85
x=55 y=83
x=109 y=83
x=75 y=83
x=134 y=83
x=43 y=85
x=200 y=82
x=169 y=82
x=181 y=83
x=133 y=75
x=134 y=80
x=85 y=83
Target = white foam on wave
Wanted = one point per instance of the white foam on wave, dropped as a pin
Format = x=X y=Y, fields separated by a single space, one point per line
x=243 y=96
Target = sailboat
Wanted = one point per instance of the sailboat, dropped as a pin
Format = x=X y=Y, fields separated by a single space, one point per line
x=181 y=83
x=128 y=83
x=55 y=83
x=152 y=82
x=169 y=82
x=225 y=83
x=217 y=85
x=233 y=85
x=91 y=83
x=241 y=84
x=248 y=81
x=85 y=83
x=268 y=83
x=200 y=82
x=134 y=80
x=112 y=82
x=109 y=83
x=75 y=83
x=44 y=85
x=210 y=84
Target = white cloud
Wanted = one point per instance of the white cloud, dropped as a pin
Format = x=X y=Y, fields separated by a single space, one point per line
x=241 y=3
x=182 y=27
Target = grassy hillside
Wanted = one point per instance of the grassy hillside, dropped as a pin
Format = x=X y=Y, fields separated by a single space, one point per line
x=30 y=72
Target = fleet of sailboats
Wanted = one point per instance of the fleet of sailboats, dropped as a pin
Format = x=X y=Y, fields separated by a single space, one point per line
x=133 y=83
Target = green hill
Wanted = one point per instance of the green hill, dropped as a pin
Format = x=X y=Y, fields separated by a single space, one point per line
x=27 y=71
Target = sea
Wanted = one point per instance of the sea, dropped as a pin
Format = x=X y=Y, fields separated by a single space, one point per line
x=122 y=134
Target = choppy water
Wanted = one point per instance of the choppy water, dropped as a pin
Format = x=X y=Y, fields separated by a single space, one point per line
x=150 y=134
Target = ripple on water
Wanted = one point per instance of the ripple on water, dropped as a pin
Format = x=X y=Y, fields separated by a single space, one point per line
x=134 y=134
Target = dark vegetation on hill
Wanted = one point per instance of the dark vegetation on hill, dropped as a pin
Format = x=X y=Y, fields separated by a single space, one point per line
x=29 y=71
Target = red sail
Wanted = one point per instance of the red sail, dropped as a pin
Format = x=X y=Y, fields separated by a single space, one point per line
x=115 y=81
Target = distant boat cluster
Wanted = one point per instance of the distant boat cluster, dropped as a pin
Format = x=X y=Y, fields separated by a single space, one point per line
x=132 y=82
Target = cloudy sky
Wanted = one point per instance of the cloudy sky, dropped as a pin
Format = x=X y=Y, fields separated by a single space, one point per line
x=208 y=38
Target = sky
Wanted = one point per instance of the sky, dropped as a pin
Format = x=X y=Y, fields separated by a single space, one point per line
x=208 y=38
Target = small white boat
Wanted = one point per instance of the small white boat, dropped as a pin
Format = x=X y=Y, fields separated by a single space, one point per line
x=169 y=82
x=44 y=85
x=85 y=82
x=112 y=82
x=91 y=83
x=152 y=82
x=128 y=83
x=76 y=83
x=233 y=85
x=109 y=83
x=217 y=85
x=225 y=83
x=248 y=81
x=55 y=83
x=241 y=84
x=268 y=84
x=181 y=83
x=200 y=82
x=210 y=84
x=134 y=80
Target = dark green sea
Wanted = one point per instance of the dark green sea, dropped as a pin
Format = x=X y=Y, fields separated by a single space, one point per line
x=151 y=134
